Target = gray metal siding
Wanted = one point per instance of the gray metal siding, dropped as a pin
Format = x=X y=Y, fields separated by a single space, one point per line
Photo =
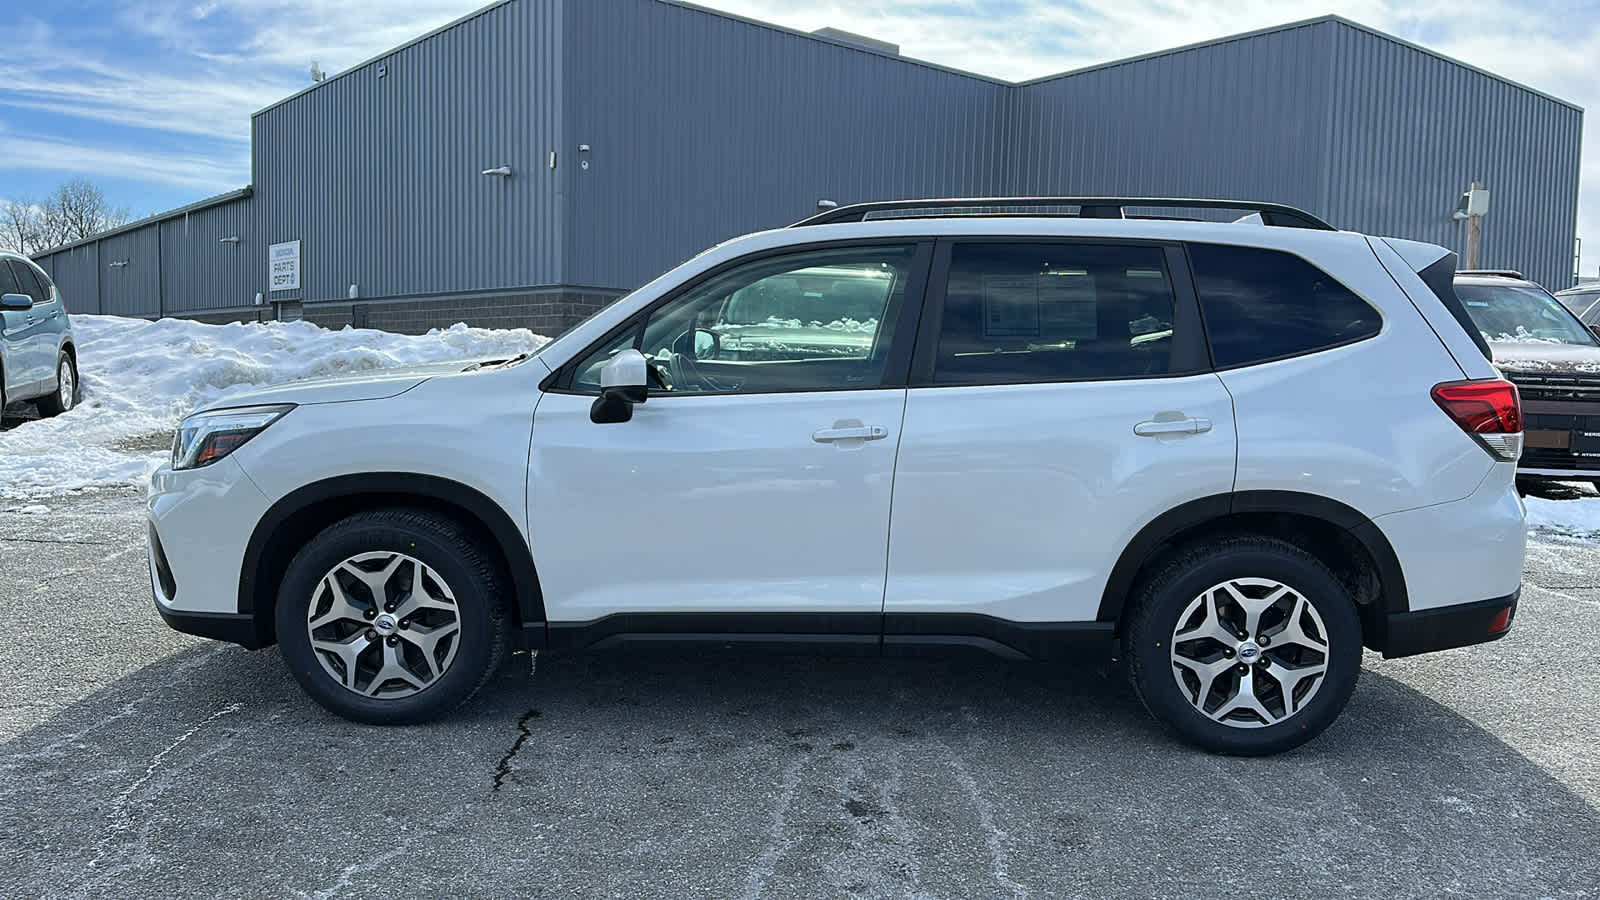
x=76 y=272
x=199 y=272
x=1245 y=119
x=167 y=266
x=130 y=274
x=703 y=127
x=1411 y=131
x=378 y=177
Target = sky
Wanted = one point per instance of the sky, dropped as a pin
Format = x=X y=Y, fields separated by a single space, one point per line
x=151 y=99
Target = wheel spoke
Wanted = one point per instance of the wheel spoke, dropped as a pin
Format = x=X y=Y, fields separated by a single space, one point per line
x=1293 y=630
x=341 y=608
x=1253 y=608
x=1210 y=627
x=419 y=598
x=1207 y=674
x=427 y=640
x=1244 y=699
x=348 y=651
x=393 y=667
x=1289 y=679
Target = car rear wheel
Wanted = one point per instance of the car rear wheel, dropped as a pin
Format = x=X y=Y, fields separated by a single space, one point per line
x=391 y=617
x=1248 y=646
x=66 y=393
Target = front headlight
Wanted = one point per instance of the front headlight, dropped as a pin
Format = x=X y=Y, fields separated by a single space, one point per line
x=206 y=437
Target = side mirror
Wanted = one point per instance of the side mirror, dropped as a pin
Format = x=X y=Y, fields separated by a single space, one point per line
x=622 y=384
x=16 y=301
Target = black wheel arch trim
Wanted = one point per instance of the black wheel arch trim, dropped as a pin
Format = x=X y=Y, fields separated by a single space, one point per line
x=490 y=515
x=1181 y=518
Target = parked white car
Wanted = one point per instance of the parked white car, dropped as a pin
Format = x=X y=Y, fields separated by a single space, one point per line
x=1009 y=433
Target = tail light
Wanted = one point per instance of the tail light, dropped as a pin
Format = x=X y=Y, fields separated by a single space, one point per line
x=1489 y=410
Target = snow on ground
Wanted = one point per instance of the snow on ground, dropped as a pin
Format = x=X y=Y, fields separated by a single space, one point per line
x=139 y=378
x=1576 y=518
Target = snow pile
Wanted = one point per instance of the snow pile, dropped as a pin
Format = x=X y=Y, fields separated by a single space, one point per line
x=1579 y=518
x=139 y=378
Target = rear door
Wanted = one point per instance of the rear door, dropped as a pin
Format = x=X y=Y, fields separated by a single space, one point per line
x=1060 y=400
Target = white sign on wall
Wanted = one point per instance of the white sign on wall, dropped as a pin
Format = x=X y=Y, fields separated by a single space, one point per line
x=283 y=266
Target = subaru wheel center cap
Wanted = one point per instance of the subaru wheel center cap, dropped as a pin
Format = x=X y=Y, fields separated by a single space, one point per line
x=385 y=624
x=1249 y=652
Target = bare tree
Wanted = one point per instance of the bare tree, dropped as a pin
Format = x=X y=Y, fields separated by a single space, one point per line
x=22 y=226
x=78 y=209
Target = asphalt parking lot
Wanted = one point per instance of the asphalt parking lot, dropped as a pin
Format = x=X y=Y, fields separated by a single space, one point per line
x=140 y=762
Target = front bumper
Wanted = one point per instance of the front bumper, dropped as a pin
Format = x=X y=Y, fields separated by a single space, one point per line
x=1444 y=627
x=235 y=628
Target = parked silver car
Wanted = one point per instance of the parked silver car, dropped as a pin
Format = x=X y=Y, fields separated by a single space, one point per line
x=38 y=358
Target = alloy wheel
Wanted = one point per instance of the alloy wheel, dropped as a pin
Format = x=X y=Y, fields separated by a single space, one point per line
x=1250 y=652
x=67 y=385
x=384 y=625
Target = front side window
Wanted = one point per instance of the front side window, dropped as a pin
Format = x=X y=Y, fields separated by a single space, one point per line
x=28 y=282
x=1018 y=313
x=816 y=320
x=1515 y=313
x=1260 y=305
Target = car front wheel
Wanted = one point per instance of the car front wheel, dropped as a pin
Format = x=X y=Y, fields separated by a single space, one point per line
x=1248 y=646
x=391 y=617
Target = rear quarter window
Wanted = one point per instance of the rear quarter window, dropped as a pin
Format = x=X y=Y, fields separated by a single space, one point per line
x=1260 y=305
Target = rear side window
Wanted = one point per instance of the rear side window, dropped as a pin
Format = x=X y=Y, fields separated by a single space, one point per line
x=28 y=281
x=1017 y=313
x=1260 y=305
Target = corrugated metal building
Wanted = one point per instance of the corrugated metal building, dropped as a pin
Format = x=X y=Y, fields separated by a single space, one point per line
x=638 y=132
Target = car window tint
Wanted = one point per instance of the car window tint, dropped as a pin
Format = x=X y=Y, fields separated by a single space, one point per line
x=8 y=281
x=1262 y=304
x=1017 y=313
x=818 y=320
x=28 y=282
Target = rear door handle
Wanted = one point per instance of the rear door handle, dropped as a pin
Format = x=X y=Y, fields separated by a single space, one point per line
x=850 y=433
x=1181 y=426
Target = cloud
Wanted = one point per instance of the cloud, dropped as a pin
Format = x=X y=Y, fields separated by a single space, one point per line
x=209 y=174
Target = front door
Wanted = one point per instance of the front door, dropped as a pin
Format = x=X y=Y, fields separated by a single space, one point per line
x=22 y=333
x=1061 y=399
x=756 y=478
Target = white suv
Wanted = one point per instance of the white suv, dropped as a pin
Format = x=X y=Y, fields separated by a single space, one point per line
x=1232 y=453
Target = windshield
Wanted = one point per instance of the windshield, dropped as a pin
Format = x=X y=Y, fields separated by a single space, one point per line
x=1510 y=313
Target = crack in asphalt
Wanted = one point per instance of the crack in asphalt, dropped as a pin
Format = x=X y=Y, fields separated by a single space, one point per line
x=502 y=770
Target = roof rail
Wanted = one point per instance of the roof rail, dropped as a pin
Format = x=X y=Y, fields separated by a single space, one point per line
x=1088 y=208
x=1503 y=273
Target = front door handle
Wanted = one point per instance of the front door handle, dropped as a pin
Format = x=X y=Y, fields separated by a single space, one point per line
x=850 y=433
x=1181 y=426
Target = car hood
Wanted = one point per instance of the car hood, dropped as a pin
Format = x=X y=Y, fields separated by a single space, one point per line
x=1535 y=356
x=376 y=384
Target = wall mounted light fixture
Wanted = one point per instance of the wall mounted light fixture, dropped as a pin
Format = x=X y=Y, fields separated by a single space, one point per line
x=502 y=171
x=230 y=239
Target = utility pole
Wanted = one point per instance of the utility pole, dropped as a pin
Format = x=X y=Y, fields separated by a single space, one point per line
x=1474 y=232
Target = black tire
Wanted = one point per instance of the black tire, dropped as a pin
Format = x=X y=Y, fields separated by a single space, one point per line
x=51 y=404
x=1165 y=596
x=440 y=544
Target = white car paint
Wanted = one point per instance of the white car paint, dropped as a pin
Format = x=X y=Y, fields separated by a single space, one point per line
x=1014 y=501
x=1008 y=501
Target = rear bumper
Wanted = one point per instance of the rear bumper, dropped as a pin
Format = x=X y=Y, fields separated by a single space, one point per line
x=1444 y=627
